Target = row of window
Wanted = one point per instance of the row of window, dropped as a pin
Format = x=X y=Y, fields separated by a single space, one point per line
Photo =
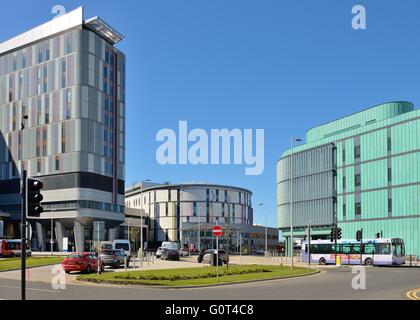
x=358 y=209
x=358 y=179
x=357 y=152
x=82 y=204
x=41 y=53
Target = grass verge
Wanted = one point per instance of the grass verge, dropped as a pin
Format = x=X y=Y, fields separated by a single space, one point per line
x=15 y=263
x=196 y=276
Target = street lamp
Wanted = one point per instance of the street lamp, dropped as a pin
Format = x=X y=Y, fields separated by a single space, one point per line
x=292 y=140
x=266 y=223
x=141 y=217
x=23 y=218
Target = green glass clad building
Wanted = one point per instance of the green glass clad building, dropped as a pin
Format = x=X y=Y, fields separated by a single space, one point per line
x=363 y=170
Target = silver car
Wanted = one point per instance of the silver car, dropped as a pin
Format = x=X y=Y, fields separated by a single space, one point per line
x=159 y=252
x=114 y=258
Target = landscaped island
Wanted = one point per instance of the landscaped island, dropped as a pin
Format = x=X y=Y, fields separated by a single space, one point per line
x=197 y=276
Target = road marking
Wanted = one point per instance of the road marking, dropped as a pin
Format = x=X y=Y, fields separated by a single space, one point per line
x=414 y=294
x=33 y=289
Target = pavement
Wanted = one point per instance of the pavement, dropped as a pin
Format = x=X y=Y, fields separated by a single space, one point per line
x=332 y=283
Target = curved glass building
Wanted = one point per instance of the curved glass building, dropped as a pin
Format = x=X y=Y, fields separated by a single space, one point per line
x=361 y=171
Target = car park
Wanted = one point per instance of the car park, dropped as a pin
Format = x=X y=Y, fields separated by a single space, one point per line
x=82 y=262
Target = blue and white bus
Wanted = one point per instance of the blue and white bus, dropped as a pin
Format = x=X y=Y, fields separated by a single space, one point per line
x=381 y=251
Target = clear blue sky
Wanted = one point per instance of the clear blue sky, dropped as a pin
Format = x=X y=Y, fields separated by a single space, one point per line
x=284 y=66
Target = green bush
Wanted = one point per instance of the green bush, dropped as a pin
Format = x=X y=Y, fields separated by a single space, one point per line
x=175 y=277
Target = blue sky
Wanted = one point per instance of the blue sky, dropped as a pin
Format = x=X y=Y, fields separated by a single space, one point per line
x=284 y=66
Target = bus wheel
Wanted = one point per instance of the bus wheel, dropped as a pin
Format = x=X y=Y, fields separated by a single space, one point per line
x=322 y=261
x=368 y=262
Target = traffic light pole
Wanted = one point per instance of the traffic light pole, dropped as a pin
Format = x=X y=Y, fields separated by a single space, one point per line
x=361 y=246
x=335 y=243
x=23 y=235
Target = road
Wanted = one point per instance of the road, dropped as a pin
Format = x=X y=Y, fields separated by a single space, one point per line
x=334 y=283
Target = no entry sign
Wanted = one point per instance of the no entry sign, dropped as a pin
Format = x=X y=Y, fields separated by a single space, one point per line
x=217 y=231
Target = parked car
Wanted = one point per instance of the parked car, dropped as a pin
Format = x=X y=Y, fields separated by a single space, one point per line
x=170 y=254
x=82 y=262
x=183 y=252
x=206 y=256
x=107 y=245
x=159 y=252
x=123 y=245
x=169 y=245
x=114 y=258
x=260 y=252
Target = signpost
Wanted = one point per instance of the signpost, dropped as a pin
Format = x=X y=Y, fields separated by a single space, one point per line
x=217 y=232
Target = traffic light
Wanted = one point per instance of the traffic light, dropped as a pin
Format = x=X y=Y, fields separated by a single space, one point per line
x=34 y=197
x=338 y=233
x=332 y=235
x=358 y=235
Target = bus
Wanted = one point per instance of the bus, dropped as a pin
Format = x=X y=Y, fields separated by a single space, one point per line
x=12 y=248
x=380 y=251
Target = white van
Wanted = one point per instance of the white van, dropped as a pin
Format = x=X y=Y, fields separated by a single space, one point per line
x=169 y=245
x=123 y=245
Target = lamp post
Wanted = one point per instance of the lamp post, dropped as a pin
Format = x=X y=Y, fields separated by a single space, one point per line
x=52 y=232
x=23 y=218
x=266 y=223
x=292 y=140
x=141 y=218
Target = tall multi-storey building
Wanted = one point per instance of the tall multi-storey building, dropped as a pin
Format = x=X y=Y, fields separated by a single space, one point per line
x=68 y=78
x=361 y=171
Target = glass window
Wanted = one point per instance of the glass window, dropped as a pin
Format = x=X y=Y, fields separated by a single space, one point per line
x=389 y=205
x=369 y=248
x=383 y=248
x=389 y=175
x=358 y=208
x=38 y=165
x=69 y=45
x=357 y=152
x=63 y=137
x=57 y=163
x=47 y=109
x=357 y=180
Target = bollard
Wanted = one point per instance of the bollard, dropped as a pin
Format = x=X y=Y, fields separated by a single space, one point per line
x=148 y=260
x=141 y=259
x=134 y=261
x=125 y=263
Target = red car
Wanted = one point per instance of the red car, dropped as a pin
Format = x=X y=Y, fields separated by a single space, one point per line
x=82 y=262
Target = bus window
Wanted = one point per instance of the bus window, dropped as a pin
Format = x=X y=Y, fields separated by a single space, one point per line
x=396 y=248
x=383 y=248
x=369 y=248
x=314 y=248
x=355 y=248
x=346 y=249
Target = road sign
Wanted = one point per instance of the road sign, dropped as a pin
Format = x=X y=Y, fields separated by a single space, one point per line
x=217 y=231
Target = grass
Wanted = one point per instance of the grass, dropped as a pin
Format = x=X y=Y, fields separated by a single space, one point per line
x=196 y=276
x=15 y=263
